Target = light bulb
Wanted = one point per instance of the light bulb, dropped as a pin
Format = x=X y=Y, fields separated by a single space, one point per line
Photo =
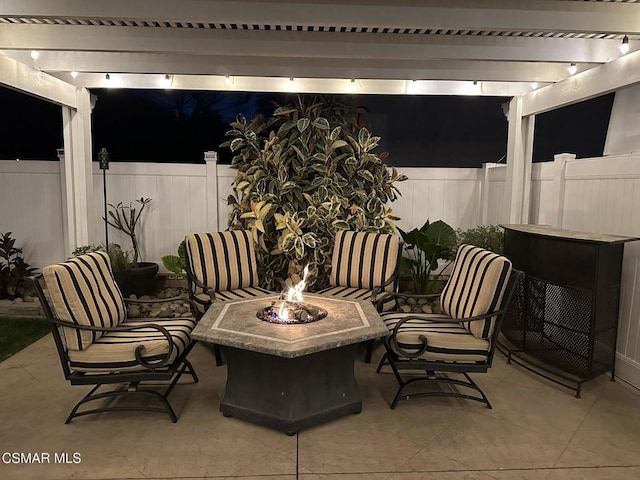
x=572 y=69
x=228 y=80
x=73 y=74
x=624 y=46
x=534 y=85
x=35 y=54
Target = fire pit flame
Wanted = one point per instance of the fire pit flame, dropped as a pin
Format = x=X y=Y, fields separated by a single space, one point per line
x=292 y=309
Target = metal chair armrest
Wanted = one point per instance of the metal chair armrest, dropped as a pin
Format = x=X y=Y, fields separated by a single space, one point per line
x=393 y=340
x=128 y=328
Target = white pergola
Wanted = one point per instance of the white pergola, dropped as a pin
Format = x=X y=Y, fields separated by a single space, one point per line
x=520 y=49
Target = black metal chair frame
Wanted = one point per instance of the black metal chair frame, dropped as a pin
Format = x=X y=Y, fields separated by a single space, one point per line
x=410 y=361
x=158 y=372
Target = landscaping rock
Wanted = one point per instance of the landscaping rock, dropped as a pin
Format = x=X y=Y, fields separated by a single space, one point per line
x=133 y=312
x=427 y=309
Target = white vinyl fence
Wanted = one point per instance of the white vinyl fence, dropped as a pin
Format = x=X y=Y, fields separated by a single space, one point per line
x=599 y=194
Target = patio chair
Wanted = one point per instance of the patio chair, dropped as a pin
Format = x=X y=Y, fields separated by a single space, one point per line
x=221 y=266
x=98 y=346
x=364 y=267
x=460 y=340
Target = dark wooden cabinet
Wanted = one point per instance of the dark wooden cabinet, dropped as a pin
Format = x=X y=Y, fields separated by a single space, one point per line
x=563 y=320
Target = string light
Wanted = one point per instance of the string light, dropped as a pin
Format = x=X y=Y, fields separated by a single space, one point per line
x=572 y=69
x=73 y=74
x=228 y=80
x=35 y=54
x=624 y=46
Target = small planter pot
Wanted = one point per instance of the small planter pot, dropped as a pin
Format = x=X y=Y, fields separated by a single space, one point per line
x=139 y=280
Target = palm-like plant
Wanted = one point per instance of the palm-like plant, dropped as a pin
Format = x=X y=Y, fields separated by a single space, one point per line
x=424 y=247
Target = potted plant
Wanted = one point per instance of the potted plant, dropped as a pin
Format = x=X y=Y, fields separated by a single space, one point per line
x=424 y=246
x=14 y=271
x=121 y=262
x=140 y=279
x=490 y=237
x=176 y=263
x=309 y=171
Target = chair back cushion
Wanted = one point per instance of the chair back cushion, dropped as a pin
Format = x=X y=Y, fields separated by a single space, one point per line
x=83 y=292
x=364 y=260
x=476 y=287
x=222 y=260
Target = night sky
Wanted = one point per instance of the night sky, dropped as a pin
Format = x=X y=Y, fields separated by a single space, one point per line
x=178 y=126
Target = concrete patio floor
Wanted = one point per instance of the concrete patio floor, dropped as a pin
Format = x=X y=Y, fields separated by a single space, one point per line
x=536 y=431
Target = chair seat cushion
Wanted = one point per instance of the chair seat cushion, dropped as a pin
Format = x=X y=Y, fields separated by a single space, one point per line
x=202 y=300
x=446 y=341
x=115 y=351
x=360 y=294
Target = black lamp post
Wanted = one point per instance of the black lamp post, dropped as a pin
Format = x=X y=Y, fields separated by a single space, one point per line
x=103 y=159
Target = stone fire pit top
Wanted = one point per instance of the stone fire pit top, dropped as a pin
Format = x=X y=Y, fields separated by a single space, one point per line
x=234 y=324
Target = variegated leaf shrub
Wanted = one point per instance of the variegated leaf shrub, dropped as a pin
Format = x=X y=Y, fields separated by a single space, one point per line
x=308 y=172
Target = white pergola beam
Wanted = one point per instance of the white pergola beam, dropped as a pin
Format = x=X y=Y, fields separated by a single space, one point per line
x=161 y=63
x=620 y=73
x=374 y=46
x=24 y=78
x=304 y=85
x=533 y=15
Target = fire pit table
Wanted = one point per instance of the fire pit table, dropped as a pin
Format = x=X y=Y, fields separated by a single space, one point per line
x=290 y=376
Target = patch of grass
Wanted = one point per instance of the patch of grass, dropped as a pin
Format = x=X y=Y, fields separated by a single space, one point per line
x=17 y=333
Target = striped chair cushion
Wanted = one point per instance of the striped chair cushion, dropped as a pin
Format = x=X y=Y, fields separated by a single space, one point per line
x=222 y=260
x=83 y=292
x=363 y=260
x=350 y=293
x=115 y=351
x=446 y=341
x=476 y=287
x=203 y=300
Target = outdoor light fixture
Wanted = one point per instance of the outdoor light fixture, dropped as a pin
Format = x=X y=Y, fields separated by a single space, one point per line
x=35 y=54
x=475 y=82
x=412 y=86
x=572 y=69
x=228 y=80
x=291 y=79
x=103 y=160
x=624 y=46
x=73 y=74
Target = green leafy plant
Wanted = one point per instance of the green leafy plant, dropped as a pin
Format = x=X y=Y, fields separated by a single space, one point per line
x=490 y=237
x=125 y=218
x=121 y=260
x=424 y=246
x=308 y=172
x=14 y=271
x=176 y=263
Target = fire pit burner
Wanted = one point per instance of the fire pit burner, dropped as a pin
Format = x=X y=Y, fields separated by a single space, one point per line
x=296 y=313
